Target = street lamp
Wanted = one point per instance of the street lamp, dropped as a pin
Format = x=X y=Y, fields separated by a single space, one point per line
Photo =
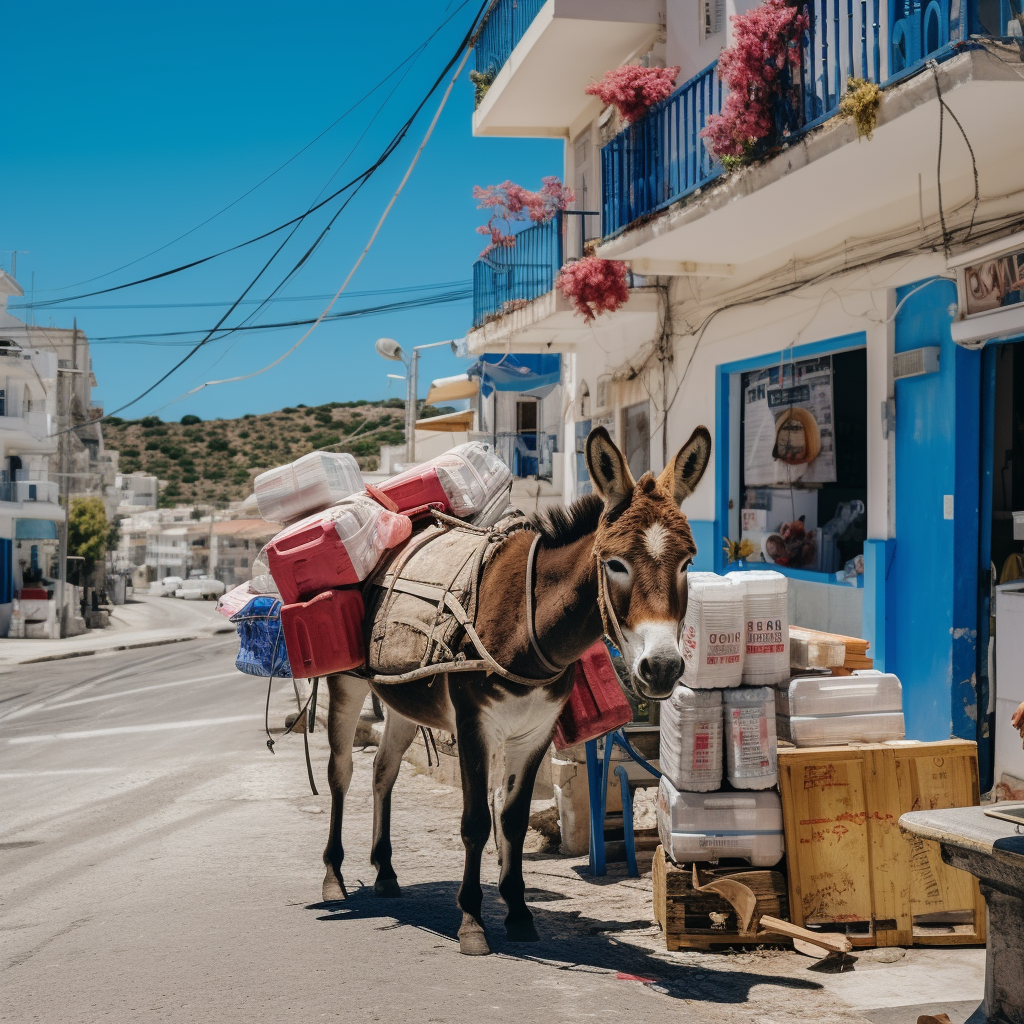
x=388 y=348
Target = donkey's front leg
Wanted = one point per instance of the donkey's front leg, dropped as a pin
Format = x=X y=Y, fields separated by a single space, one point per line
x=523 y=756
x=347 y=696
x=474 y=758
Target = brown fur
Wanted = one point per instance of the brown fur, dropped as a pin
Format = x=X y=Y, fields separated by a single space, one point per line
x=489 y=714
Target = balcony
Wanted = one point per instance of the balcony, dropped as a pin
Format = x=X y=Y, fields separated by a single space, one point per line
x=37 y=499
x=660 y=165
x=514 y=297
x=538 y=57
x=34 y=428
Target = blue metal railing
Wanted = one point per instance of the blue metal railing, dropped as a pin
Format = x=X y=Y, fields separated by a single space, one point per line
x=505 y=25
x=662 y=156
x=507 y=278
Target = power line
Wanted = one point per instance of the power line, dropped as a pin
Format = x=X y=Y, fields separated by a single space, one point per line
x=412 y=57
x=463 y=48
x=441 y=299
x=254 y=302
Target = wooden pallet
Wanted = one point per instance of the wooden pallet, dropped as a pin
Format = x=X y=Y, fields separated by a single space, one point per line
x=851 y=868
x=684 y=915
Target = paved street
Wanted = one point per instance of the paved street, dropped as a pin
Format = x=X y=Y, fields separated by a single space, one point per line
x=159 y=864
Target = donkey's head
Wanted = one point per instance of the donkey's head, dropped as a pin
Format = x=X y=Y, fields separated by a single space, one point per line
x=643 y=546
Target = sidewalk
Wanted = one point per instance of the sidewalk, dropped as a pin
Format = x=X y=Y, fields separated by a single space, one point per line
x=143 y=622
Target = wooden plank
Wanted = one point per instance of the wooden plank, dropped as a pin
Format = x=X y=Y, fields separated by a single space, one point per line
x=935 y=776
x=827 y=857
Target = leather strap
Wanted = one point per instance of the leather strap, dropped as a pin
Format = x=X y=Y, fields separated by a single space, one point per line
x=530 y=626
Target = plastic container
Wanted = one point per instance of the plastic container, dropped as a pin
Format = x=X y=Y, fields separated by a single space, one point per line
x=706 y=827
x=463 y=480
x=261 y=649
x=713 y=636
x=766 y=621
x=691 y=739
x=596 y=702
x=334 y=548
x=306 y=485
x=866 y=707
x=325 y=635
x=751 y=748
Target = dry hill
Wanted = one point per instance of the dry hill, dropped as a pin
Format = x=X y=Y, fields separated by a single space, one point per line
x=216 y=460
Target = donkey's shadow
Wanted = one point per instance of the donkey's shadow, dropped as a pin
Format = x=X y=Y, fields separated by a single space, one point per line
x=569 y=940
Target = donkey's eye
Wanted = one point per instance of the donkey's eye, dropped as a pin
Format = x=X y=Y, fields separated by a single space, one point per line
x=614 y=565
x=684 y=565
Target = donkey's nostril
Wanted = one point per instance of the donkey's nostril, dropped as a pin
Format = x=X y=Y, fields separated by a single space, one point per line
x=644 y=670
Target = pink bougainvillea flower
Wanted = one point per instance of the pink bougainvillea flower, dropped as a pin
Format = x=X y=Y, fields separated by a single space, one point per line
x=511 y=202
x=595 y=286
x=634 y=89
x=766 y=42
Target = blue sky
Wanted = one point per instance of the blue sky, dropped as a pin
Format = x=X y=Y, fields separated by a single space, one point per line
x=130 y=123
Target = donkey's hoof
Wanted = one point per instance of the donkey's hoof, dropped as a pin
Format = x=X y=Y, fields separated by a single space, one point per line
x=473 y=940
x=521 y=931
x=333 y=887
x=387 y=888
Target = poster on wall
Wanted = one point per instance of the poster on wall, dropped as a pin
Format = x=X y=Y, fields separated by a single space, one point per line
x=788 y=424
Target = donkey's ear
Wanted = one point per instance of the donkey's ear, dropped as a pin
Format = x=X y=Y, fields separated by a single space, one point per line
x=681 y=476
x=608 y=469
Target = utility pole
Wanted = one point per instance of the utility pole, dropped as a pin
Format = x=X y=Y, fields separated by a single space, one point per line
x=410 y=407
x=64 y=383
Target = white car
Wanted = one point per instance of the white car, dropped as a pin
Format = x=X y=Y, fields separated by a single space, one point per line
x=202 y=588
x=168 y=586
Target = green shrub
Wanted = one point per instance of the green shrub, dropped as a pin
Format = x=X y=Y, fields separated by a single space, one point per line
x=190 y=420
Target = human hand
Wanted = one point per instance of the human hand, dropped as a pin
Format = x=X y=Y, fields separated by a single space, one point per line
x=1017 y=719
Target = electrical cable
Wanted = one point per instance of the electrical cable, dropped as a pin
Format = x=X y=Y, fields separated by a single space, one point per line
x=943 y=106
x=412 y=57
x=443 y=298
x=362 y=255
x=464 y=50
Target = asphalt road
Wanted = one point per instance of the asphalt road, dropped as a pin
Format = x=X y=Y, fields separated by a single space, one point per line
x=157 y=863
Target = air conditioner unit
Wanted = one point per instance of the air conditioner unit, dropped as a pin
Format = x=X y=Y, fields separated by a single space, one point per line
x=916 y=362
x=990 y=292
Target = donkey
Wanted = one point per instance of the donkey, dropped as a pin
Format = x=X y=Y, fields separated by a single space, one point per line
x=614 y=562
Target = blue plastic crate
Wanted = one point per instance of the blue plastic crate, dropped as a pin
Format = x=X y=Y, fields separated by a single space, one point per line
x=261 y=649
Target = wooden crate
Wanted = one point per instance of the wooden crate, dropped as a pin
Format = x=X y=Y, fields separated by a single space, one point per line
x=684 y=915
x=849 y=865
x=812 y=648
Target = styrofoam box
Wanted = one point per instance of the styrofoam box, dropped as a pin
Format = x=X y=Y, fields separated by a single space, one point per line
x=751 y=745
x=705 y=827
x=766 y=619
x=309 y=484
x=829 y=711
x=691 y=739
x=713 y=632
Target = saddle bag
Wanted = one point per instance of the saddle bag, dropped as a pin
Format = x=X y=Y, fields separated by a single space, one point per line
x=261 y=649
x=596 y=704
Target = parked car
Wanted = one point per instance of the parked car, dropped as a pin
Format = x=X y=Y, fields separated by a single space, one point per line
x=167 y=586
x=200 y=588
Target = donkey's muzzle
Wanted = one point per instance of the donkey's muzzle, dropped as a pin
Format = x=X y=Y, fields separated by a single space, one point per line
x=658 y=673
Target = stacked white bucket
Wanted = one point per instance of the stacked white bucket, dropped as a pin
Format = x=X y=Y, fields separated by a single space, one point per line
x=720 y=722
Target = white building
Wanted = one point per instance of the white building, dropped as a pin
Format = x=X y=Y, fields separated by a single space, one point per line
x=849 y=266
x=138 y=492
x=29 y=509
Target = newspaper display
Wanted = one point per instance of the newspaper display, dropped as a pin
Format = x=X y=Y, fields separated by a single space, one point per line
x=804 y=388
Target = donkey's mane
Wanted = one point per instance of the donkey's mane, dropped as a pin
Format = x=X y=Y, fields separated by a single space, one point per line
x=560 y=526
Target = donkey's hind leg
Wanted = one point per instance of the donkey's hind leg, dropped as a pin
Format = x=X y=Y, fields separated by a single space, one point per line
x=347 y=696
x=523 y=756
x=399 y=732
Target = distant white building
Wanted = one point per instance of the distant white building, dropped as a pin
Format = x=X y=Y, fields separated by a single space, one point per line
x=139 y=492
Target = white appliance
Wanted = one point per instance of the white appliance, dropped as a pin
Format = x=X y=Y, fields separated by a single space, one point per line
x=1009 y=752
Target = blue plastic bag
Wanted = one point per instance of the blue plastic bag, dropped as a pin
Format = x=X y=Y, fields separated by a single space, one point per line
x=261 y=649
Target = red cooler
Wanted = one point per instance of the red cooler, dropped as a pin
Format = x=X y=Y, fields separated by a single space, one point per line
x=324 y=635
x=335 y=548
x=596 y=705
